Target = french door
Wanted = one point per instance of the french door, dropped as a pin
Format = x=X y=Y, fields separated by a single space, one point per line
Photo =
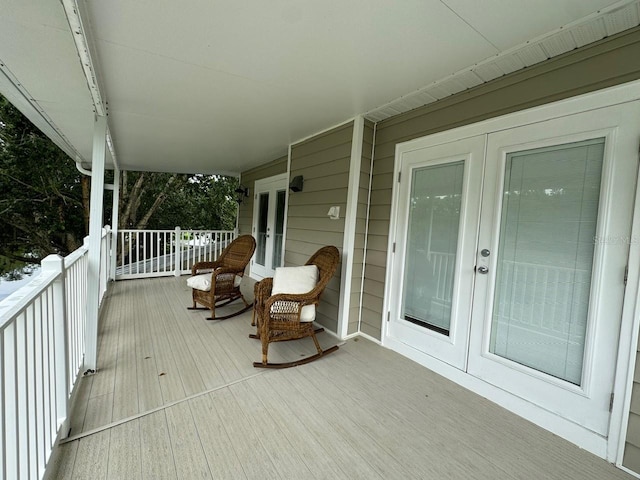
x=511 y=249
x=268 y=225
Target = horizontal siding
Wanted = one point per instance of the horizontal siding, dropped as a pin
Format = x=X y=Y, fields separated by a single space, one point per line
x=631 y=457
x=599 y=65
x=324 y=162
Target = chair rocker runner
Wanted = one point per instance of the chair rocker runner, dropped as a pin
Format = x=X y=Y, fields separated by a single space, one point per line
x=215 y=284
x=285 y=305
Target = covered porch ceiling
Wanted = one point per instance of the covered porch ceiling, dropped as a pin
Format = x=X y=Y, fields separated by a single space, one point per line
x=221 y=86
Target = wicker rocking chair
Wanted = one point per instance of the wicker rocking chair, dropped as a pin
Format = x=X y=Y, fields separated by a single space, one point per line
x=219 y=285
x=289 y=316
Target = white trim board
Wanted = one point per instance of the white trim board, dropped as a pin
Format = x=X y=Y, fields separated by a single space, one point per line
x=350 y=220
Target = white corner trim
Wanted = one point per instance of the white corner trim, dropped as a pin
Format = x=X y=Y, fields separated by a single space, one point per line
x=366 y=230
x=367 y=336
x=630 y=472
x=350 y=217
x=628 y=345
x=393 y=225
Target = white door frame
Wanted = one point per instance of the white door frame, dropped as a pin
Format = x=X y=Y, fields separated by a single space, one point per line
x=270 y=184
x=452 y=348
x=610 y=448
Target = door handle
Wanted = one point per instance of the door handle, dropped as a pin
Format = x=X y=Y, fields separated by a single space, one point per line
x=483 y=270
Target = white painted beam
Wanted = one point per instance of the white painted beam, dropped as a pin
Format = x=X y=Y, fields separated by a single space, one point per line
x=350 y=220
x=95 y=240
x=114 y=220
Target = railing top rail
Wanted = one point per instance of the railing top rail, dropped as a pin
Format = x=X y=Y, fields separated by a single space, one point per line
x=19 y=300
x=128 y=230
x=74 y=256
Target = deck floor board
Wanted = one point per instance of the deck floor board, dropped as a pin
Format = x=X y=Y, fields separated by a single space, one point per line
x=362 y=412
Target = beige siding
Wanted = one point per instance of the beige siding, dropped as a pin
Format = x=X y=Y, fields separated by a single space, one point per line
x=631 y=457
x=602 y=64
x=248 y=179
x=361 y=224
x=324 y=162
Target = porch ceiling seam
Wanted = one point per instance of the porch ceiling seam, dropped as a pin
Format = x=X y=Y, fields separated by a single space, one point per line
x=108 y=426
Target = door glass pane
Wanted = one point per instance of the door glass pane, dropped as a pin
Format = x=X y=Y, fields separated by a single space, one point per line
x=545 y=257
x=261 y=240
x=279 y=229
x=432 y=240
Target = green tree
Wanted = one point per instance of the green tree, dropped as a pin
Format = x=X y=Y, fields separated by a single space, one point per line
x=44 y=200
x=160 y=201
x=41 y=193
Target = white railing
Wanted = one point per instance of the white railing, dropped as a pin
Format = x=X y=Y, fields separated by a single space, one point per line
x=158 y=253
x=538 y=297
x=41 y=355
x=531 y=295
x=443 y=271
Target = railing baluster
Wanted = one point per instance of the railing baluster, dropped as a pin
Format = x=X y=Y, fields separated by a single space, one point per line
x=12 y=428
x=3 y=406
x=167 y=252
x=22 y=381
x=41 y=381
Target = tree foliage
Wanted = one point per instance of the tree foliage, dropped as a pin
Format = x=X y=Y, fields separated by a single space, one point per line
x=44 y=200
x=161 y=201
x=41 y=201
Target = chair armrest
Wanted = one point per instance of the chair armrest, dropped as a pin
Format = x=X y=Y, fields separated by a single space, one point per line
x=203 y=266
x=289 y=306
x=262 y=290
x=226 y=270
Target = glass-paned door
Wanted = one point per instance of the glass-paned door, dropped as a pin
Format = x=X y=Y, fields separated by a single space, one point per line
x=435 y=241
x=510 y=252
x=432 y=241
x=281 y=198
x=549 y=216
x=261 y=231
x=547 y=304
x=268 y=225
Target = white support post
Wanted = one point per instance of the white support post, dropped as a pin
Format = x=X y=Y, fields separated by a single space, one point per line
x=55 y=263
x=350 y=220
x=114 y=222
x=178 y=253
x=95 y=241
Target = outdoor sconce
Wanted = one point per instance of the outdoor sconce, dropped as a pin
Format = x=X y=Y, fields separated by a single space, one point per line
x=241 y=192
x=296 y=184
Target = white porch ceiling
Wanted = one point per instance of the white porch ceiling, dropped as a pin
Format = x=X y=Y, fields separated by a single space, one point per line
x=221 y=86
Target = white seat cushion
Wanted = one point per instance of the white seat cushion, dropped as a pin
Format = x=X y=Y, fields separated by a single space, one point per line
x=297 y=280
x=203 y=281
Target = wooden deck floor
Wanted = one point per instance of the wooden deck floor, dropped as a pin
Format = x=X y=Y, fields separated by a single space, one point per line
x=362 y=412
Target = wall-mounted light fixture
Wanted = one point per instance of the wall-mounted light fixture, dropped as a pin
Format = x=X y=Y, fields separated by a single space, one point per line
x=296 y=184
x=241 y=192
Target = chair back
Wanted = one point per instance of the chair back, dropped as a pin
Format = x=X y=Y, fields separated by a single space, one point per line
x=326 y=259
x=238 y=253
